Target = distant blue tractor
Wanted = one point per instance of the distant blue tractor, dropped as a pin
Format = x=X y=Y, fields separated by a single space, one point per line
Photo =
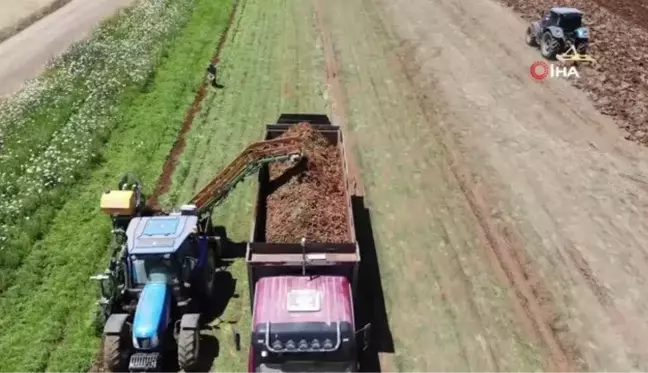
x=560 y=34
x=168 y=268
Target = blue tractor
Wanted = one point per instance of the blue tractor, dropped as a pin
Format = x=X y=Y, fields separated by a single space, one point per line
x=560 y=34
x=169 y=267
x=160 y=279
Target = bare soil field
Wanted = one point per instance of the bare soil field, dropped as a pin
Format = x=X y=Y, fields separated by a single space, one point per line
x=555 y=187
x=618 y=82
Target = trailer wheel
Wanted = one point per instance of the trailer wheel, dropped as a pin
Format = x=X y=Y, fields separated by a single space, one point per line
x=188 y=348
x=114 y=353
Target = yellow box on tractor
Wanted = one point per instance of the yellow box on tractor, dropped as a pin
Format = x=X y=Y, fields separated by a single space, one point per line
x=119 y=202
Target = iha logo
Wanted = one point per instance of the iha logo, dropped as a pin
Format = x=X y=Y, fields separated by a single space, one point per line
x=541 y=70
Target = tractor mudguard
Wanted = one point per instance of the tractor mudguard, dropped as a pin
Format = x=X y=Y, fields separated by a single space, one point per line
x=190 y=321
x=556 y=32
x=115 y=324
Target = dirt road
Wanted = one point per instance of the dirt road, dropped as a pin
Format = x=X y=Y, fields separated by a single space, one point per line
x=22 y=57
x=466 y=159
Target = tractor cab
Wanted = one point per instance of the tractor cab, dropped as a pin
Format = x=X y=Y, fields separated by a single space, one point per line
x=568 y=19
x=164 y=248
x=303 y=324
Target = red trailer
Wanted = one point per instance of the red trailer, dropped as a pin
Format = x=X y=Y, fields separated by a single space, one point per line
x=303 y=294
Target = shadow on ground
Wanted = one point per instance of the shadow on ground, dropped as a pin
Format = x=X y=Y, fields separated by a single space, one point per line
x=371 y=301
x=229 y=249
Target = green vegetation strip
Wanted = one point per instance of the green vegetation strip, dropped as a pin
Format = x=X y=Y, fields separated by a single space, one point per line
x=52 y=131
x=48 y=309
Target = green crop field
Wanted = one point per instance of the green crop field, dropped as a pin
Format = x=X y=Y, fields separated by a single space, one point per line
x=47 y=299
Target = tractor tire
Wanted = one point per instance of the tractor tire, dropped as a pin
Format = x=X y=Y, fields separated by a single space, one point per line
x=114 y=354
x=188 y=349
x=210 y=276
x=549 y=46
x=530 y=38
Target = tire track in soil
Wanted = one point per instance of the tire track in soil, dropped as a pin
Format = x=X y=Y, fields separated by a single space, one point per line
x=338 y=100
x=340 y=118
x=164 y=181
x=501 y=242
x=504 y=247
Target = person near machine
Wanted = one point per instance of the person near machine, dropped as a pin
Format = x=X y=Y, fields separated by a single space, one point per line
x=211 y=74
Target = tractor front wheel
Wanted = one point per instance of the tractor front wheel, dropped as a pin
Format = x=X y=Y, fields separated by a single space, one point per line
x=549 y=46
x=188 y=348
x=530 y=38
x=581 y=47
x=114 y=353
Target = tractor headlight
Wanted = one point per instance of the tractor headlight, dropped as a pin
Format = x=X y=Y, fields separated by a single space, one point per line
x=277 y=345
x=146 y=343
x=582 y=33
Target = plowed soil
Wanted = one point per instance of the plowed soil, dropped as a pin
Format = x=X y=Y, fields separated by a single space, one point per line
x=308 y=200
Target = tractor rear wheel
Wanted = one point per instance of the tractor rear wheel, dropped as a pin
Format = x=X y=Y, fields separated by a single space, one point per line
x=188 y=348
x=210 y=274
x=114 y=353
x=549 y=46
x=530 y=38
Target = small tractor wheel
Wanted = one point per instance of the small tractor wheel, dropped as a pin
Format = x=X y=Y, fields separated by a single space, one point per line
x=549 y=46
x=581 y=47
x=529 y=38
x=188 y=348
x=113 y=353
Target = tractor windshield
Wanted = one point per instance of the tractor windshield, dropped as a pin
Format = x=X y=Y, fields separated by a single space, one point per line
x=570 y=22
x=153 y=269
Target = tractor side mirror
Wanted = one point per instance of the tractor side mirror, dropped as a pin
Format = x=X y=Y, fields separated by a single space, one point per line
x=365 y=334
x=106 y=283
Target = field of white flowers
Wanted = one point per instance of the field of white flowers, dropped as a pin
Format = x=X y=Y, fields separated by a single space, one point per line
x=110 y=105
x=52 y=130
